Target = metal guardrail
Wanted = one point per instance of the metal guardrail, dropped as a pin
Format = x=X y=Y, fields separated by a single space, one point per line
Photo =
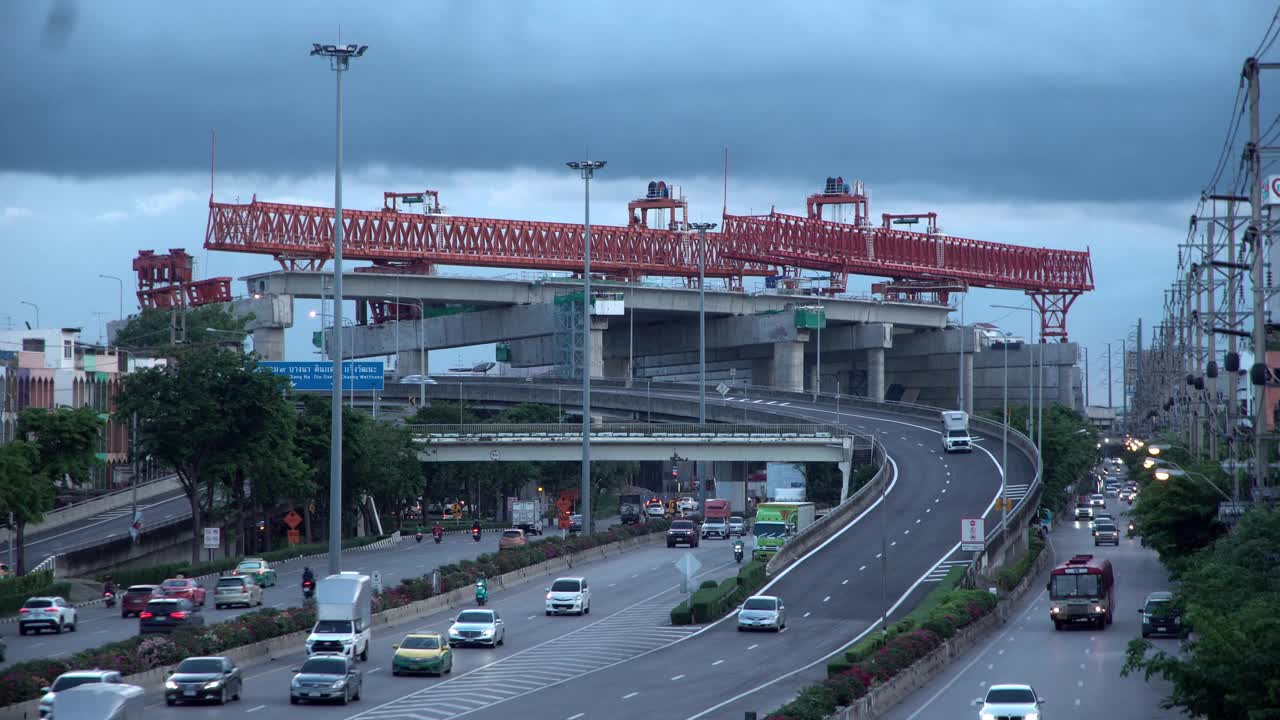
x=710 y=430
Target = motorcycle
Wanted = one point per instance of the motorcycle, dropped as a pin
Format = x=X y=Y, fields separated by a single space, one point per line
x=475 y=534
x=482 y=592
x=109 y=598
x=438 y=534
x=308 y=589
x=418 y=536
x=1130 y=529
x=737 y=551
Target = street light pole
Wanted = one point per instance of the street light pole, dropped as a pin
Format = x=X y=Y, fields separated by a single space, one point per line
x=113 y=277
x=702 y=229
x=37 y=308
x=1004 y=447
x=587 y=169
x=339 y=61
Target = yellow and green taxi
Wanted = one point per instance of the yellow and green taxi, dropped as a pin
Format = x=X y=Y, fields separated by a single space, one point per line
x=425 y=652
x=259 y=570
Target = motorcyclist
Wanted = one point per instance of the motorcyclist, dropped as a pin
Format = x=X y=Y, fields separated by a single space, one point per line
x=308 y=576
x=475 y=527
x=108 y=586
x=437 y=531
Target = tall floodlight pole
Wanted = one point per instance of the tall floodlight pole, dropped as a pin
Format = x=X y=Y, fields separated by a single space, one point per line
x=339 y=61
x=1004 y=446
x=587 y=168
x=702 y=229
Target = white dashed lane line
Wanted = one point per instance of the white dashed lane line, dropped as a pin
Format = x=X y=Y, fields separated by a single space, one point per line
x=677 y=677
x=716 y=663
x=628 y=696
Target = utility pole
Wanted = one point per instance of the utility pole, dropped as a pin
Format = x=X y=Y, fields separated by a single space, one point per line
x=702 y=229
x=1254 y=237
x=1086 y=377
x=1109 y=376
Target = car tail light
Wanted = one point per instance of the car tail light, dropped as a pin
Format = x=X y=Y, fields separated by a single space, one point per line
x=25 y=610
x=144 y=615
x=178 y=615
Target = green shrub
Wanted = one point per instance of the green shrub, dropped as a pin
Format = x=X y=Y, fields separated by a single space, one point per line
x=680 y=614
x=1009 y=577
x=837 y=665
x=11 y=602
x=708 y=584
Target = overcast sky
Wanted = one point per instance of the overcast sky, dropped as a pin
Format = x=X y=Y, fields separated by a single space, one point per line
x=1093 y=124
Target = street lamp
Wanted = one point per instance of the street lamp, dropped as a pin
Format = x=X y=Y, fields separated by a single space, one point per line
x=113 y=277
x=1004 y=445
x=1175 y=470
x=1033 y=423
x=587 y=168
x=702 y=229
x=339 y=62
x=37 y=307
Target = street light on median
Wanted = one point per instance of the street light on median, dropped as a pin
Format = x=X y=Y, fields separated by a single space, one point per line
x=587 y=168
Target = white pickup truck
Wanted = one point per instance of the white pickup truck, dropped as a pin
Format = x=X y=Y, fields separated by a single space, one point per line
x=344 y=613
x=955 y=431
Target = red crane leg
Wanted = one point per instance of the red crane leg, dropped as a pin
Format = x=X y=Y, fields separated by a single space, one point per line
x=1053 y=313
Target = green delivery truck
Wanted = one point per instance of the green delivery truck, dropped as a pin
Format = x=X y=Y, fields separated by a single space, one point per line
x=776 y=522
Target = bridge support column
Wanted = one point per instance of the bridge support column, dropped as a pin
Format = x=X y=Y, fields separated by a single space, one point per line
x=966 y=374
x=268 y=343
x=597 y=347
x=875 y=374
x=846 y=468
x=762 y=371
x=1066 y=386
x=617 y=367
x=412 y=362
x=788 y=366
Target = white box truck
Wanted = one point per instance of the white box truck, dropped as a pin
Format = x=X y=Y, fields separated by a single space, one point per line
x=100 y=701
x=344 y=613
x=955 y=431
x=527 y=515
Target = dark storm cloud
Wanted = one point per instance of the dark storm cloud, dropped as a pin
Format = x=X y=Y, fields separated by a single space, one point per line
x=1010 y=99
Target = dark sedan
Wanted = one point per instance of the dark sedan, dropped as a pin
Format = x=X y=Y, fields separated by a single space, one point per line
x=203 y=678
x=165 y=616
x=326 y=676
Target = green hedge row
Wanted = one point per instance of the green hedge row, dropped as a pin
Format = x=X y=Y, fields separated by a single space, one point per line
x=866 y=664
x=1009 y=577
x=11 y=601
x=28 y=583
x=156 y=574
x=714 y=600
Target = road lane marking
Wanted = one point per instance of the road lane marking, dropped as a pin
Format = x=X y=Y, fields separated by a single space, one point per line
x=991 y=666
x=825 y=599
x=716 y=663
x=846 y=580
x=877 y=555
x=1079 y=683
x=628 y=696
x=864 y=567
x=370 y=672
x=677 y=677
x=255 y=709
x=753 y=647
x=575 y=717
x=806 y=615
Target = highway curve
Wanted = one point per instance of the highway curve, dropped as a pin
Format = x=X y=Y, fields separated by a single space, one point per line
x=832 y=596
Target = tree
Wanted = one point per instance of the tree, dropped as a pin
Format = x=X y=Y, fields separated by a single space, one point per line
x=66 y=440
x=1176 y=517
x=1230 y=589
x=25 y=491
x=386 y=467
x=151 y=329
x=205 y=414
x=1070 y=448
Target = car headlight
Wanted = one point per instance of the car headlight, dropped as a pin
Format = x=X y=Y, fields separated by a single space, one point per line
x=548 y=596
x=986 y=715
x=170 y=685
x=348 y=641
x=295 y=682
x=1097 y=608
x=338 y=684
x=453 y=632
x=213 y=685
x=486 y=633
x=1033 y=715
x=1055 y=610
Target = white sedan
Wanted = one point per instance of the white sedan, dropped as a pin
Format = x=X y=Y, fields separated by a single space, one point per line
x=477 y=627
x=1011 y=701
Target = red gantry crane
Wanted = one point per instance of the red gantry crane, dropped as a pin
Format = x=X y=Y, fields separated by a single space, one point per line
x=777 y=245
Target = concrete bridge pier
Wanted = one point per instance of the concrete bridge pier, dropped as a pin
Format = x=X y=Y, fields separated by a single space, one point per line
x=268 y=343
x=412 y=362
x=788 y=366
x=875 y=373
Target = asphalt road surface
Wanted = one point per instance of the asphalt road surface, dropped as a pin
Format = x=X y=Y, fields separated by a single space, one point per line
x=636 y=666
x=1076 y=670
x=631 y=598
x=100 y=625
x=99 y=528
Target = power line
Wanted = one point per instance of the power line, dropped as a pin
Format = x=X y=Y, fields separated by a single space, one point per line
x=1265 y=44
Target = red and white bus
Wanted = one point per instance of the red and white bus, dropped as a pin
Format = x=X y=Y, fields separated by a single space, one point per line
x=1082 y=590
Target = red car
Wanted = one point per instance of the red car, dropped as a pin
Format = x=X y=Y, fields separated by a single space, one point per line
x=135 y=599
x=184 y=588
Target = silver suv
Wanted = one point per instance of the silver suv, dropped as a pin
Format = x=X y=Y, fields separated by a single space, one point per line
x=236 y=590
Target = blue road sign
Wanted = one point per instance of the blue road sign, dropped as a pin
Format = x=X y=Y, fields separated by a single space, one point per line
x=318 y=375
